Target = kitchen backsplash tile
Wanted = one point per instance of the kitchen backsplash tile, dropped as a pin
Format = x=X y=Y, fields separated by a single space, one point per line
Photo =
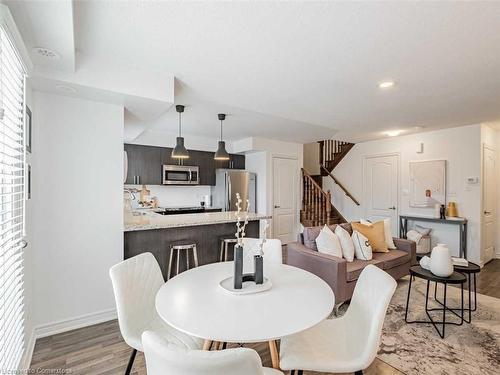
x=174 y=196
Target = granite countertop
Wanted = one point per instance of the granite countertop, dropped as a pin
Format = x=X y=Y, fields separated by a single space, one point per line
x=146 y=219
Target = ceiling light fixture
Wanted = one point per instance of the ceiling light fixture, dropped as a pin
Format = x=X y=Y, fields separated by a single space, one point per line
x=45 y=52
x=180 y=151
x=393 y=133
x=221 y=153
x=386 y=84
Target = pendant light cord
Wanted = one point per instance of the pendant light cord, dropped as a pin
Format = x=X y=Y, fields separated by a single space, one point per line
x=221 y=130
x=179 y=124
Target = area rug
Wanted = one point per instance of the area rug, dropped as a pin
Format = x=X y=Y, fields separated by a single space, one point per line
x=417 y=349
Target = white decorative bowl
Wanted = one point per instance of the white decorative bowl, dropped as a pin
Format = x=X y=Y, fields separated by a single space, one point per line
x=248 y=287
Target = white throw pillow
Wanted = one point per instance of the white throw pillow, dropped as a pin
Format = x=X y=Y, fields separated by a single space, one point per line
x=328 y=243
x=345 y=243
x=362 y=246
x=387 y=232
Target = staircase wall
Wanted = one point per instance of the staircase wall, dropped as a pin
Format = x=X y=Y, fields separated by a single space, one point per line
x=461 y=147
x=311 y=158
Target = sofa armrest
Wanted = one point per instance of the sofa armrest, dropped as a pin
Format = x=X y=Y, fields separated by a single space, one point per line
x=409 y=246
x=331 y=269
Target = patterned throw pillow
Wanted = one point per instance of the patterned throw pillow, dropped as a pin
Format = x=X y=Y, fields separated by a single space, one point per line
x=375 y=233
x=362 y=246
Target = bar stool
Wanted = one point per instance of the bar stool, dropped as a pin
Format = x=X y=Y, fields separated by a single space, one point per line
x=224 y=247
x=186 y=249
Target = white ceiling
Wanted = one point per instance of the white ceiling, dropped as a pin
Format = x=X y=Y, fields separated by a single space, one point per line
x=301 y=70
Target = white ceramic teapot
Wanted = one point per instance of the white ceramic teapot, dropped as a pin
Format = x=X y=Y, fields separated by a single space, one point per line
x=441 y=264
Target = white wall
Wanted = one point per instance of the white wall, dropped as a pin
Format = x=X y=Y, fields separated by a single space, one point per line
x=311 y=158
x=77 y=207
x=256 y=162
x=459 y=146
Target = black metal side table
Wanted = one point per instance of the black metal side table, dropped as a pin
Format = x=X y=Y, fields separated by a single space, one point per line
x=455 y=278
x=470 y=271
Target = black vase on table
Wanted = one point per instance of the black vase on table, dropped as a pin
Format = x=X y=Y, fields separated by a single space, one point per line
x=239 y=278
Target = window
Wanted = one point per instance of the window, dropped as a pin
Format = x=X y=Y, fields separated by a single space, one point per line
x=12 y=154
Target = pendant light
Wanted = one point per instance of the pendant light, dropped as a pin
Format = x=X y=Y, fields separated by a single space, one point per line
x=179 y=151
x=221 y=153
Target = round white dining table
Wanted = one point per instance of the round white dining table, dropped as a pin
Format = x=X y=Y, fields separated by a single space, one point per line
x=193 y=302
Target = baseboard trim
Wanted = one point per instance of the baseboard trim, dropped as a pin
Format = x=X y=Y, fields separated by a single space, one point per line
x=54 y=328
x=61 y=326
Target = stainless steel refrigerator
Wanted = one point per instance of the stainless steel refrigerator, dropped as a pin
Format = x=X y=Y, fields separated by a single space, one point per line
x=228 y=182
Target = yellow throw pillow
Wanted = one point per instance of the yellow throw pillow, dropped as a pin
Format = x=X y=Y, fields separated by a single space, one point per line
x=375 y=234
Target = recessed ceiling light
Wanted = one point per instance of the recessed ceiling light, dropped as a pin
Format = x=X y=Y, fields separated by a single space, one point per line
x=386 y=84
x=66 y=89
x=46 y=53
x=393 y=133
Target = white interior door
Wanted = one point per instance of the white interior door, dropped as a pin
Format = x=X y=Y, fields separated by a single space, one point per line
x=284 y=198
x=489 y=203
x=381 y=186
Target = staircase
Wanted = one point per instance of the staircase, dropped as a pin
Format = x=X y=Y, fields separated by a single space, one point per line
x=331 y=152
x=317 y=208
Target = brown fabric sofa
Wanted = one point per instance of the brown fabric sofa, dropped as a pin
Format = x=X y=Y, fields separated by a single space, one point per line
x=340 y=274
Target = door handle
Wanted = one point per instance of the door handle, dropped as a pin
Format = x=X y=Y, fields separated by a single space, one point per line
x=277 y=206
x=190 y=176
x=392 y=208
x=487 y=212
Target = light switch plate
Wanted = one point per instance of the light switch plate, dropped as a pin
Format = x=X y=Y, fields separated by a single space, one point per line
x=472 y=180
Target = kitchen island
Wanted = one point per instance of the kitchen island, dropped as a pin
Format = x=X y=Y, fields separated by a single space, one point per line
x=147 y=231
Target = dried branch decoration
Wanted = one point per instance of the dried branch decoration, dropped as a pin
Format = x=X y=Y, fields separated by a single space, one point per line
x=263 y=234
x=241 y=225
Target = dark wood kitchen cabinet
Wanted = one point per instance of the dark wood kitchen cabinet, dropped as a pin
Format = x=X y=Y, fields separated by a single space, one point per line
x=238 y=161
x=235 y=162
x=206 y=163
x=144 y=165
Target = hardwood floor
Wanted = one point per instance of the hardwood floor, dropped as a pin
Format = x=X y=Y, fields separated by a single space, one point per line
x=100 y=349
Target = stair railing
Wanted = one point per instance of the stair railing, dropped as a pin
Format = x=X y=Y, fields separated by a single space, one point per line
x=328 y=149
x=340 y=185
x=316 y=203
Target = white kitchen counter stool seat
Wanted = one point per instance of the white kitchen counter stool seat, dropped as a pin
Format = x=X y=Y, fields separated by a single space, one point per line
x=162 y=357
x=349 y=343
x=135 y=284
x=185 y=248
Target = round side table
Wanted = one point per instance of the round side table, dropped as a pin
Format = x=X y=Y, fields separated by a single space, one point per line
x=454 y=278
x=470 y=272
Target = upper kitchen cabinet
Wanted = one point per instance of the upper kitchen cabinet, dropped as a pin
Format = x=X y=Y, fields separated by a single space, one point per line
x=206 y=163
x=235 y=162
x=144 y=166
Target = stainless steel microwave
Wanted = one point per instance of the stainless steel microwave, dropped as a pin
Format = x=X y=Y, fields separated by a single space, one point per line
x=181 y=175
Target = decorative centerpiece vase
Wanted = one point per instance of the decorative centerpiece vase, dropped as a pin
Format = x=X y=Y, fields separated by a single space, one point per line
x=441 y=264
x=239 y=277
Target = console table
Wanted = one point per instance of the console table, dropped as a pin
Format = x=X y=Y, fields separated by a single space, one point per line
x=461 y=222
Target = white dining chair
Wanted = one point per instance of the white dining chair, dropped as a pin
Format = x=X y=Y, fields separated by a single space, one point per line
x=135 y=283
x=349 y=343
x=273 y=252
x=163 y=357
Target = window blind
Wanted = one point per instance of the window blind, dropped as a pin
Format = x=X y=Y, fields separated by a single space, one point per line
x=12 y=154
